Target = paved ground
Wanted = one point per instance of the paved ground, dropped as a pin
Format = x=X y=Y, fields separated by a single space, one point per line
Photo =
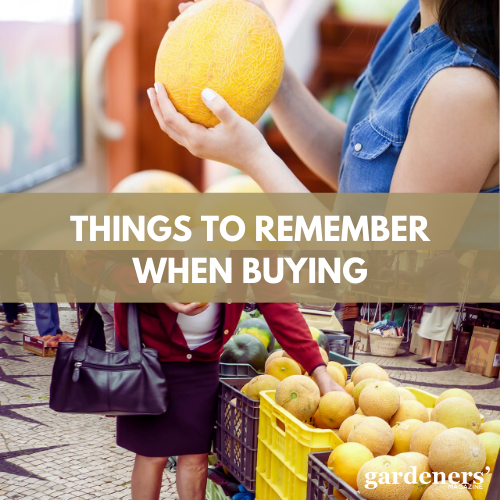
x=44 y=455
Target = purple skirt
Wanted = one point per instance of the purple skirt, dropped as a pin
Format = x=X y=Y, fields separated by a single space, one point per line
x=188 y=425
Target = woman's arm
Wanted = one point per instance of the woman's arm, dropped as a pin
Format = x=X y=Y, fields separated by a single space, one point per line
x=314 y=134
x=452 y=144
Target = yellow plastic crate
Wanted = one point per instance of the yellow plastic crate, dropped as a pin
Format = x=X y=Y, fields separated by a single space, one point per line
x=283 y=449
x=427 y=399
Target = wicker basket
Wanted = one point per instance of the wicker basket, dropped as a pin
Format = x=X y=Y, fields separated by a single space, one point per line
x=384 y=346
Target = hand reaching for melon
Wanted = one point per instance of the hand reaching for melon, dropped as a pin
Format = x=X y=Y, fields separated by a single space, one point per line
x=325 y=382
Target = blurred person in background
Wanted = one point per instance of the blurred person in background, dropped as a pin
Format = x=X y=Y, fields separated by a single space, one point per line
x=9 y=270
x=425 y=119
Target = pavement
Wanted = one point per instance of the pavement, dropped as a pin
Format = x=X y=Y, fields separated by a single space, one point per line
x=45 y=455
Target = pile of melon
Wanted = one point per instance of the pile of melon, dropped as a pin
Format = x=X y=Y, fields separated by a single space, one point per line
x=385 y=428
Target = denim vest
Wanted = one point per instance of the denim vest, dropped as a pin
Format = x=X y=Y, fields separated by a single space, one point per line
x=403 y=63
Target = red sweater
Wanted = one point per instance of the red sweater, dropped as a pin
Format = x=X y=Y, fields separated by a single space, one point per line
x=159 y=328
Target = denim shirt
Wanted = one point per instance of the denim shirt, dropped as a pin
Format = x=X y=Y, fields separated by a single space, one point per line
x=401 y=66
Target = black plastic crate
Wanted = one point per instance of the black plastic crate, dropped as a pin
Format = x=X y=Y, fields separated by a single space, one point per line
x=236 y=370
x=237 y=430
x=321 y=481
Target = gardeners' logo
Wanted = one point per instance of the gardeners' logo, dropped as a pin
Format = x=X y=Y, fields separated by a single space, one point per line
x=454 y=480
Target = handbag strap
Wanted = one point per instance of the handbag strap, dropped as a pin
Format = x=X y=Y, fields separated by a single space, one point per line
x=84 y=334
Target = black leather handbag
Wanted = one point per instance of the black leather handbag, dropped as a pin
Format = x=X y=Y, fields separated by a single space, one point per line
x=89 y=380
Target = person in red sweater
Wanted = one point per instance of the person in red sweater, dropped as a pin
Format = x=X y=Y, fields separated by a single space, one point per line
x=190 y=340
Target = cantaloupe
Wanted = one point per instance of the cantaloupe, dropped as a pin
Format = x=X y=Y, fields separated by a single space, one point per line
x=274 y=355
x=454 y=393
x=349 y=388
x=154 y=181
x=421 y=462
x=229 y=46
x=286 y=355
x=424 y=435
x=348 y=425
x=335 y=407
x=324 y=355
x=457 y=450
x=406 y=395
x=491 y=442
x=379 y=399
x=359 y=388
x=362 y=365
x=446 y=491
x=261 y=383
x=299 y=395
x=281 y=368
x=375 y=372
x=374 y=433
x=336 y=375
x=479 y=491
x=318 y=421
x=384 y=491
x=402 y=435
x=346 y=460
x=341 y=367
x=410 y=409
x=244 y=388
x=235 y=184
x=491 y=426
x=457 y=412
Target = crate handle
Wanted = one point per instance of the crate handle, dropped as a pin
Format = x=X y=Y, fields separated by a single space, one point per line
x=280 y=425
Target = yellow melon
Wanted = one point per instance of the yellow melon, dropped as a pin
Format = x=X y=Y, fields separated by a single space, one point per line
x=379 y=399
x=454 y=393
x=410 y=409
x=335 y=407
x=299 y=395
x=281 y=368
x=491 y=426
x=336 y=375
x=235 y=184
x=154 y=181
x=341 y=367
x=261 y=383
x=479 y=491
x=421 y=463
x=274 y=355
x=402 y=435
x=491 y=442
x=349 y=388
x=195 y=291
x=406 y=395
x=457 y=412
x=446 y=491
x=346 y=460
x=359 y=388
x=374 y=433
x=244 y=388
x=348 y=425
x=388 y=466
x=230 y=46
x=457 y=450
x=324 y=355
x=286 y=355
x=375 y=372
x=422 y=437
x=363 y=365
x=318 y=421
x=359 y=412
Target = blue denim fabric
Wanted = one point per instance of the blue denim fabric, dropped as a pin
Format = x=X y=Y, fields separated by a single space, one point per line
x=401 y=66
x=47 y=319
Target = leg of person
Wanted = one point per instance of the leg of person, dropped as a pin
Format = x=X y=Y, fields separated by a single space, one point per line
x=108 y=318
x=192 y=474
x=10 y=310
x=437 y=346
x=54 y=317
x=43 y=319
x=426 y=350
x=147 y=477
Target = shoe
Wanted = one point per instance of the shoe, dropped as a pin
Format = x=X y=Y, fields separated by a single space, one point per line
x=423 y=360
x=6 y=323
x=430 y=363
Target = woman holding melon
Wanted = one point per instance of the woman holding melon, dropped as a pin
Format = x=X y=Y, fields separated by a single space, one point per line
x=426 y=118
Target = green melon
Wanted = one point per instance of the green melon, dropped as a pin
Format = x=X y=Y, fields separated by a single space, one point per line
x=320 y=338
x=259 y=329
x=245 y=349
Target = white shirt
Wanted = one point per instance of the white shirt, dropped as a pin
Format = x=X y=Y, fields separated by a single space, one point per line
x=200 y=329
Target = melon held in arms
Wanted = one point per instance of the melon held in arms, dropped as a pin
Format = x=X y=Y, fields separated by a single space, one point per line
x=229 y=46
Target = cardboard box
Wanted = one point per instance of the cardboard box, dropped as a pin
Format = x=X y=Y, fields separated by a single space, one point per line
x=416 y=341
x=484 y=350
x=38 y=347
x=361 y=334
x=463 y=348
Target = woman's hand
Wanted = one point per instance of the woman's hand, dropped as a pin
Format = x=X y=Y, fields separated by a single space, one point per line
x=325 y=382
x=164 y=292
x=234 y=141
